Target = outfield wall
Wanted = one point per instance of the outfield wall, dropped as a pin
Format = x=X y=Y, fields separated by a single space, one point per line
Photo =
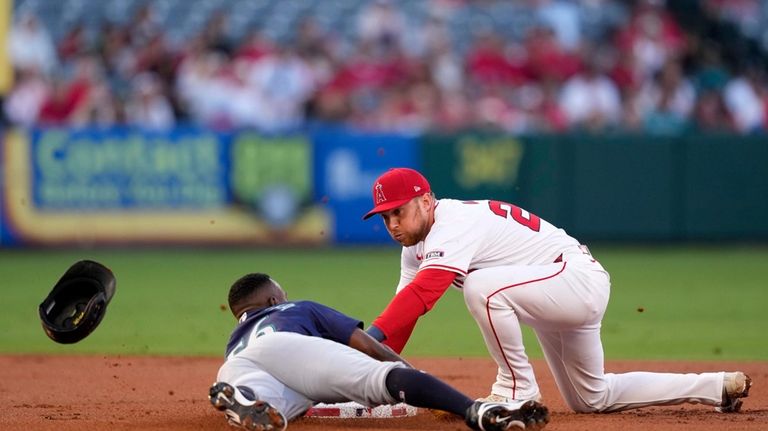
x=195 y=186
x=695 y=187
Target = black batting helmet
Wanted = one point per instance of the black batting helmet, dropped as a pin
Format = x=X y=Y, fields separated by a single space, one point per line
x=77 y=302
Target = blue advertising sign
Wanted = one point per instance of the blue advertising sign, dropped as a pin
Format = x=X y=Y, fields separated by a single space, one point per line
x=124 y=168
x=346 y=164
x=187 y=185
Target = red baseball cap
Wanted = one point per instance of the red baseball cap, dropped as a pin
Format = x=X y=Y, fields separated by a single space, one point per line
x=395 y=188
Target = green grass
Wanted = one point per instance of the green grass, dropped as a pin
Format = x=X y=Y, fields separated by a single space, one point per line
x=698 y=303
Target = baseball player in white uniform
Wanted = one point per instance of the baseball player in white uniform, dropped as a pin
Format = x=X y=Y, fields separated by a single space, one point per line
x=515 y=268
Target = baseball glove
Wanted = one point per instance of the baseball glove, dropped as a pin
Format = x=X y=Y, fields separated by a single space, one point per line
x=77 y=302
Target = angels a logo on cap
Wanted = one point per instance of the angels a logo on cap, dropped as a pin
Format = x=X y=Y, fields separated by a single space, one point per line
x=379 y=194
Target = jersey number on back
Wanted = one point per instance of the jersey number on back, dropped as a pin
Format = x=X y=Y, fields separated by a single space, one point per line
x=505 y=210
x=258 y=330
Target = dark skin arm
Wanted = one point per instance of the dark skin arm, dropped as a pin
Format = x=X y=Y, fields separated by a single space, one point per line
x=363 y=342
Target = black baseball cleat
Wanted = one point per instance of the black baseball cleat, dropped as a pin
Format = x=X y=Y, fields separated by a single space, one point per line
x=484 y=416
x=243 y=413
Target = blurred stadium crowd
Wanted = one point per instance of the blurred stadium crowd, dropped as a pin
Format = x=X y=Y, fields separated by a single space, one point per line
x=525 y=66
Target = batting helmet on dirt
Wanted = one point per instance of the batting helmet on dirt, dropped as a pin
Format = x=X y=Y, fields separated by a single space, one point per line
x=77 y=302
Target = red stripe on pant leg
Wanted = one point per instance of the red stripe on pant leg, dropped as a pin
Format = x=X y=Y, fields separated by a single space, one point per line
x=493 y=328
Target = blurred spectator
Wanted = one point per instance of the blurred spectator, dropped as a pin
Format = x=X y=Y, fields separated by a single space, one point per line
x=624 y=73
x=381 y=24
x=745 y=13
x=711 y=73
x=563 y=18
x=662 y=119
x=423 y=100
x=147 y=106
x=70 y=102
x=631 y=117
x=58 y=107
x=446 y=68
x=143 y=26
x=215 y=35
x=487 y=63
x=317 y=50
x=652 y=37
x=540 y=106
x=405 y=110
x=710 y=113
x=253 y=47
x=115 y=52
x=389 y=71
x=426 y=39
x=493 y=110
x=312 y=40
x=284 y=83
x=100 y=108
x=453 y=112
x=153 y=57
x=365 y=72
x=666 y=102
x=331 y=105
x=23 y=104
x=590 y=99
x=209 y=92
x=745 y=98
x=73 y=43
x=545 y=57
x=30 y=46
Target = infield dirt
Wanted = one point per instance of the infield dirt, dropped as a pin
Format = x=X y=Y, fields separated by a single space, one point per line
x=67 y=393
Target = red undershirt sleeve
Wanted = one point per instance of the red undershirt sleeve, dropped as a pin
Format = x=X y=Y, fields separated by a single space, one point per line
x=399 y=318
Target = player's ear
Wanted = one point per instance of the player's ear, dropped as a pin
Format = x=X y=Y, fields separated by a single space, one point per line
x=426 y=200
x=272 y=301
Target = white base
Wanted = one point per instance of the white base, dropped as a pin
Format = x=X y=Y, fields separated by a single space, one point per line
x=356 y=410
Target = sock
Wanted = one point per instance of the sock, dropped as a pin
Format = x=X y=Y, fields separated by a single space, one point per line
x=424 y=390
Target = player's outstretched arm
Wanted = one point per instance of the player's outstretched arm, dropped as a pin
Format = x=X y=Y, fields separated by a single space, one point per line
x=363 y=342
x=397 y=321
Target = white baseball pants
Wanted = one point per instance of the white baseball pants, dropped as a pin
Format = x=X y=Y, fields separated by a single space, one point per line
x=293 y=371
x=564 y=303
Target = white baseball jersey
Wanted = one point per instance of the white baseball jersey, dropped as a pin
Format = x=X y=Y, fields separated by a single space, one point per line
x=471 y=235
x=514 y=268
